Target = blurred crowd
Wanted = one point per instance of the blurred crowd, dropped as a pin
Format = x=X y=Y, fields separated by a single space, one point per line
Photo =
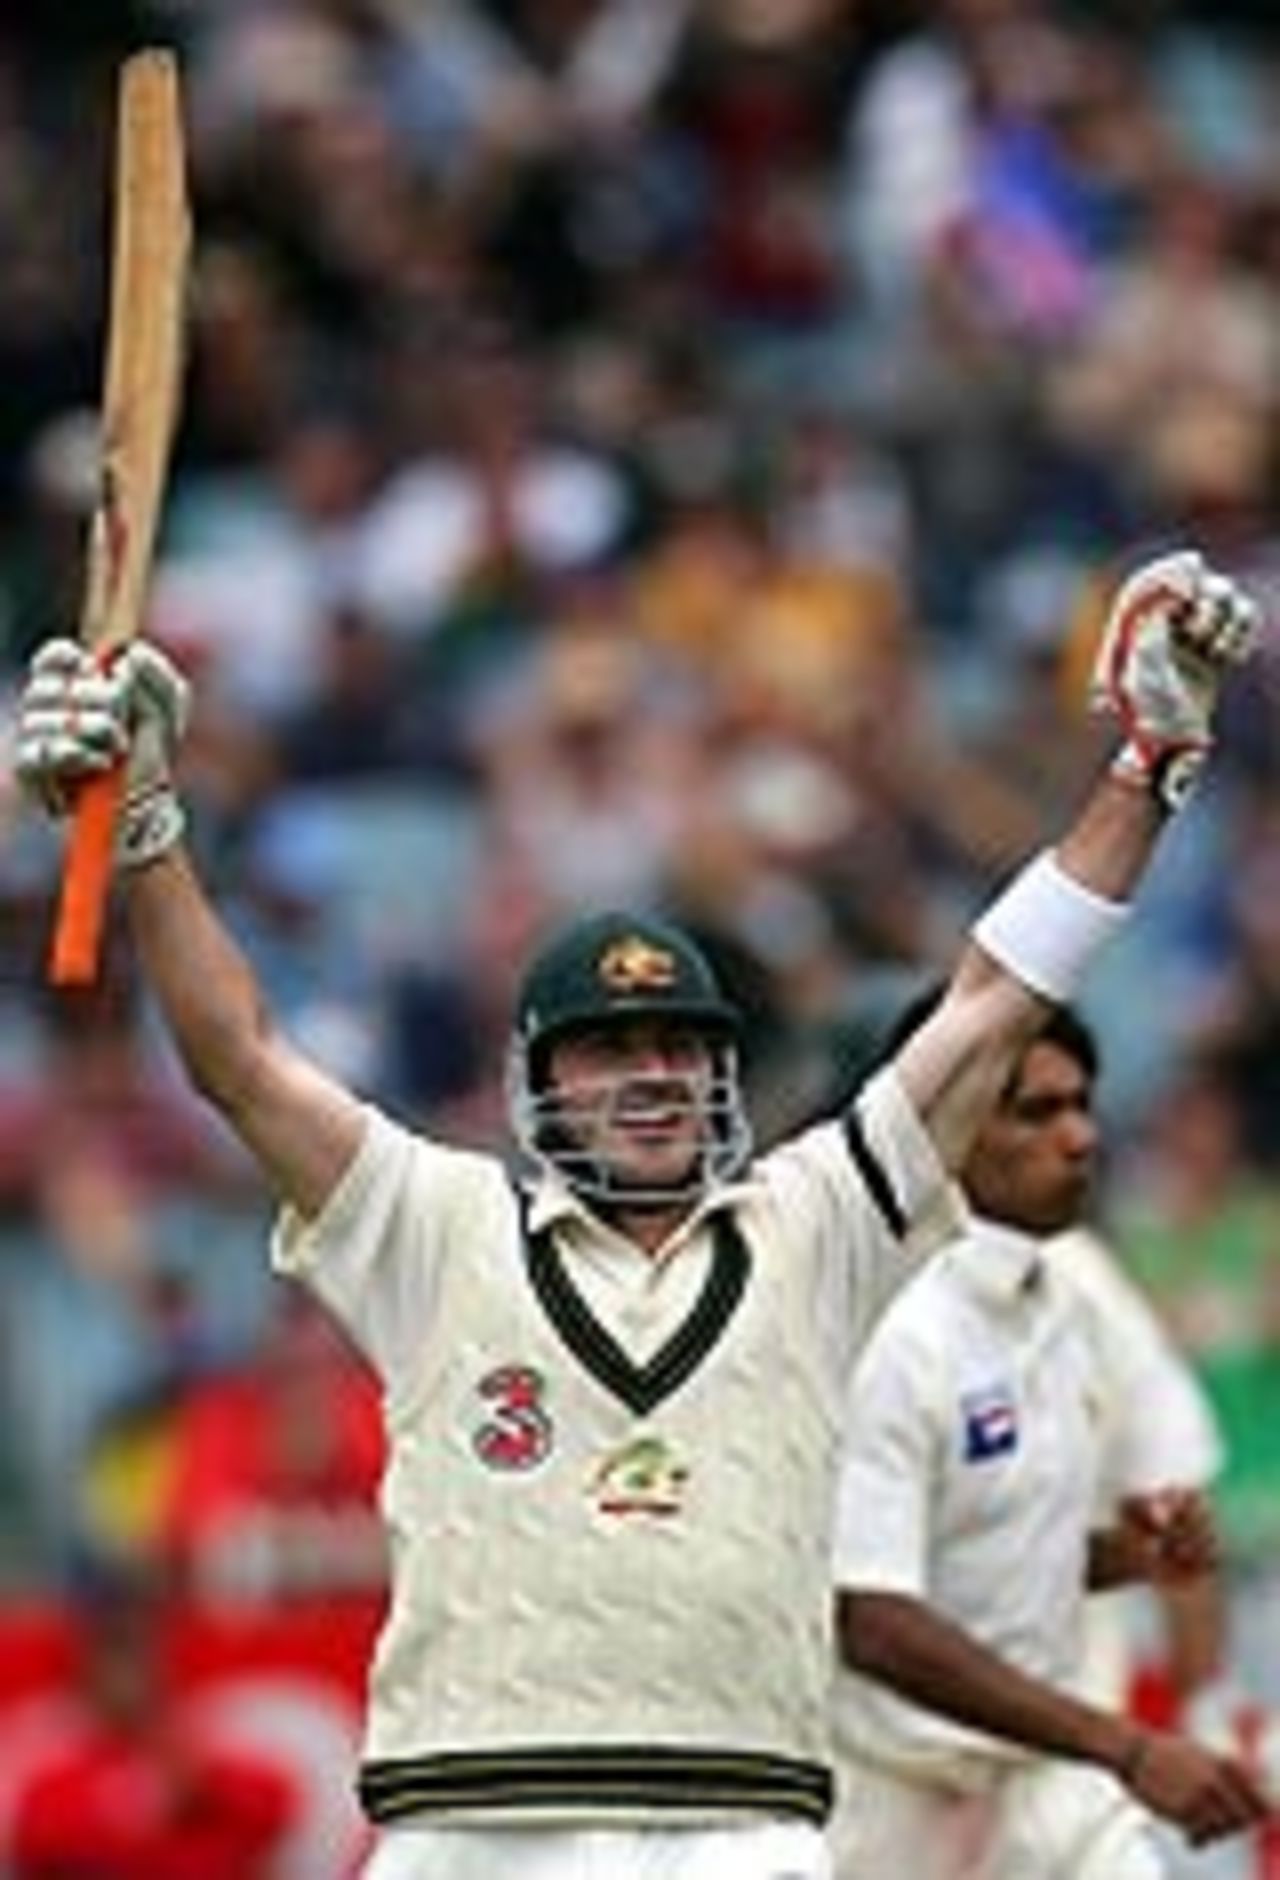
x=668 y=452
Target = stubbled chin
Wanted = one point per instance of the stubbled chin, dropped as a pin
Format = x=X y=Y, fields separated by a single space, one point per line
x=654 y=1161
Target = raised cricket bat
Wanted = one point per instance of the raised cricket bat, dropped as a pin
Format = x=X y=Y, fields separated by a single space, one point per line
x=151 y=239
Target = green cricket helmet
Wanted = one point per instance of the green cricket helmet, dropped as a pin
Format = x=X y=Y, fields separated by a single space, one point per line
x=610 y=968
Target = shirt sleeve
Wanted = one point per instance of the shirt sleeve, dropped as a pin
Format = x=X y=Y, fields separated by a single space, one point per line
x=895 y=1153
x=1159 y=1428
x=881 y=1540
x=861 y=1186
x=373 y=1254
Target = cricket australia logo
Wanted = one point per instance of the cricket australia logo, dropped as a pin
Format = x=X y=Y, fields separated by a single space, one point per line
x=642 y=1477
x=636 y=965
x=516 y=1434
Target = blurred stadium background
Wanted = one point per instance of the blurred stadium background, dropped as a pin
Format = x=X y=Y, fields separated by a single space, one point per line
x=658 y=450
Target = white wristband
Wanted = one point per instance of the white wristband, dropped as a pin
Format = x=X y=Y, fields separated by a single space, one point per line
x=1046 y=927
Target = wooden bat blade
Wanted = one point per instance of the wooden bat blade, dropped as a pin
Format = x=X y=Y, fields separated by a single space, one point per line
x=151 y=244
x=151 y=237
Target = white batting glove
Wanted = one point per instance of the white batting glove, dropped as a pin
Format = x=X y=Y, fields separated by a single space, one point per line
x=1175 y=629
x=77 y=719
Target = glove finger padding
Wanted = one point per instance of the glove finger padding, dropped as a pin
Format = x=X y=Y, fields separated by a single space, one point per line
x=1174 y=630
x=78 y=717
x=1221 y=625
x=59 y=655
x=70 y=724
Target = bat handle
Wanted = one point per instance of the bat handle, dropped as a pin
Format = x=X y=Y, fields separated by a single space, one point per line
x=86 y=881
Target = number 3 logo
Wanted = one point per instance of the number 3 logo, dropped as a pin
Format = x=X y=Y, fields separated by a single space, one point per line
x=516 y=1433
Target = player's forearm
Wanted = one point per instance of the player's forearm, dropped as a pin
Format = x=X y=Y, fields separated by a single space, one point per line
x=200 y=979
x=954 y=1068
x=1195 y=1632
x=301 y=1126
x=1109 y=845
x=900 y=1642
x=1031 y=948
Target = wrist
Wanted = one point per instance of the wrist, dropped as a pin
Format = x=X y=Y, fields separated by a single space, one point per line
x=151 y=823
x=1131 y=1756
x=1046 y=927
x=151 y=819
x=1168 y=773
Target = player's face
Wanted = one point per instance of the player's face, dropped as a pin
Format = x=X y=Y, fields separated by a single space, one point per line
x=633 y=1096
x=1033 y=1162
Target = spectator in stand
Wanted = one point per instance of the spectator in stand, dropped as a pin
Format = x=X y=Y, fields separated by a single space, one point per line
x=1202 y=1224
x=56 y=490
x=493 y=499
x=103 y=1132
x=590 y=770
x=1241 y=1029
x=1186 y=315
x=139 y=1790
x=273 y=1474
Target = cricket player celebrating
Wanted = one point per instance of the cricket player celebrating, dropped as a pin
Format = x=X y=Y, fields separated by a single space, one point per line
x=613 y=1391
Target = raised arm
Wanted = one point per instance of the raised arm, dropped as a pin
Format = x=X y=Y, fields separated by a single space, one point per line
x=1174 y=630
x=301 y=1126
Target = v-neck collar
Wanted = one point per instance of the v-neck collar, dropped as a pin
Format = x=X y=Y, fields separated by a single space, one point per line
x=642 y=1387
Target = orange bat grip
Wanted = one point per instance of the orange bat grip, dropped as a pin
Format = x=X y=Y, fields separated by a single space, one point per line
x=86 y=881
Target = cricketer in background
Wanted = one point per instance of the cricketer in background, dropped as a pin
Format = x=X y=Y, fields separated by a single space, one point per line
x=1020 y=1439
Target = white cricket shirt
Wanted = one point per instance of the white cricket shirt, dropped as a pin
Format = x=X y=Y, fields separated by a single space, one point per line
x=971 y=1479
x=610 y=1477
